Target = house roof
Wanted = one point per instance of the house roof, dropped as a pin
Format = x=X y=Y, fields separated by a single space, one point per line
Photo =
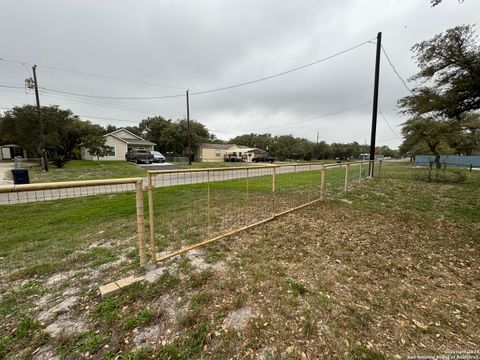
x=222 y=146
x=232 y=147
x=245 y=149
x=123 y=129
x=137 y=140
x=217 y=146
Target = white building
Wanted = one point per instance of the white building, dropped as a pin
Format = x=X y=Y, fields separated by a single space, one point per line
x=120 y=142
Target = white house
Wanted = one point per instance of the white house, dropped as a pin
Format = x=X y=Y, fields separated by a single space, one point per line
x=216 y=152
x=120 y=142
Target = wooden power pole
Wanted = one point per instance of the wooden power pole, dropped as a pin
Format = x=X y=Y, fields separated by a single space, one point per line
x=40 y=121
x=375 y=104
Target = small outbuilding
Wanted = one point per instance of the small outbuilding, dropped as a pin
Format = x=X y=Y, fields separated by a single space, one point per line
x=10 y=151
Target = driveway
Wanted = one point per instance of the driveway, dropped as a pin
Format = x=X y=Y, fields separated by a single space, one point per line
x=159 y=166
x=6 y=172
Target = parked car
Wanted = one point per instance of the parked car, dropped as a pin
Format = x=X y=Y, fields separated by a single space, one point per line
x=157 y=157
x=139 y=156
x=234 y=157
x=263 y=159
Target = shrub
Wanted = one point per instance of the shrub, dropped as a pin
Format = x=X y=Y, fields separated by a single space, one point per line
x=59 y=161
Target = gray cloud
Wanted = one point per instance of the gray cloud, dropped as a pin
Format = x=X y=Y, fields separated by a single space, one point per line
x=208 y=44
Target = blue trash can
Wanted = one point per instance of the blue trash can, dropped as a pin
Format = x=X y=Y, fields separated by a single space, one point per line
x=20 y=176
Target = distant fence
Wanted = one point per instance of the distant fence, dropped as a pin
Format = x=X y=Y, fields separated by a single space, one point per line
x=194 y=207
x=449 y=160
x=176 y=159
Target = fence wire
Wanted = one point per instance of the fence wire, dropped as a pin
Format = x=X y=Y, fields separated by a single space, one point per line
x=47 y=194
x=190 y=207
x=95 y=223
x=71 y=229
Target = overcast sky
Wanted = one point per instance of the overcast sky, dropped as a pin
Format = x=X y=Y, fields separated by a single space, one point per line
x=166 y=47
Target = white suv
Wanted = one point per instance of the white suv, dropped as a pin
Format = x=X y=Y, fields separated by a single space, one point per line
x=157 y=157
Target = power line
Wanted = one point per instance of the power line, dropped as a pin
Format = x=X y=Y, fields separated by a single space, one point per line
x=283 y=72
x=97 y=102
x=92 y=74
x=393 y=131
x=111 y=105
x=12 y=86
x=114 y=97
x=107 y=118
x=395 y=71
x=215 y=89
x=319 y=117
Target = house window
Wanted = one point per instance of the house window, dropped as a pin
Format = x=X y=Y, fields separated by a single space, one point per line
x=110 y=151
x=217 y=153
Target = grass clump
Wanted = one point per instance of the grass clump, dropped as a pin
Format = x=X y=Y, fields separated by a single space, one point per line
x=108 y=310
x=81 y=342
x=99 y=256
x=27 y=336
x=144 y=317
x=297 y=287
x=363 y=353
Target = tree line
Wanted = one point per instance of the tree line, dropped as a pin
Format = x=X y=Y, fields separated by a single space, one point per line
x=65 y=132
x=285 y=147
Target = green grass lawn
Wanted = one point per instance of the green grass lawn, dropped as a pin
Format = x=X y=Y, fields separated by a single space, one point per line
x=388 y=269
x=85 y=170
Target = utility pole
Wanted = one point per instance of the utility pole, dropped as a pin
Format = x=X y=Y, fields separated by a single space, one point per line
x=316 y=149
x=375 y=104
x=189 y=133
x=40 y=121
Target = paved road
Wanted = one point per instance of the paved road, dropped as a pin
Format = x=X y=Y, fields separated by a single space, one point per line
x=160 y=180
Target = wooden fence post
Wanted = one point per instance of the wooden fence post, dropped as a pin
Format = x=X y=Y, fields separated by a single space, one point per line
x=273 y=190
x=208 y=202
x=247 y=218
x=361 y=170
x=345 y=187
x=322 y=183
x=140 y=222
x=153 y=245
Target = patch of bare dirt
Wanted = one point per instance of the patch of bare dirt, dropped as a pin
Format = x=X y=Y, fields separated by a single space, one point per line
x=238 y=319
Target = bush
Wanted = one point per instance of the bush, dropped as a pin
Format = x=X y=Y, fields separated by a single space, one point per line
x=59 y=161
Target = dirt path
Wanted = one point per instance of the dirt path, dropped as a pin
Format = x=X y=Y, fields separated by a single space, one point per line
x=5 y=174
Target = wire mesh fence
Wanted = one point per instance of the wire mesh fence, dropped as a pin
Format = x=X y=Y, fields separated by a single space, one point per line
x=190 y=208
x=18 y=194
x=55 y=228
x=88 y=225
